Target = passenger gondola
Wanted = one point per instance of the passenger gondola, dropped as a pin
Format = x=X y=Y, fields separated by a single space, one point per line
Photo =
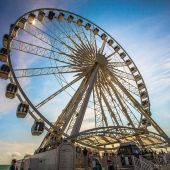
x=87 y=26
x=110 y=42
x=70 y=18
x=95 y=31
x=116 y=48
x=51 y=15
x=22 y=110
x=61 y=16
x=31 y=18
x=22 y=23
x=37 y=128
x=103 y=37
x=41 y=16
x=4 y=71
x=14 y=30
x=3 y=55
x=11 y=90
x=6 y=38
x=79 y=22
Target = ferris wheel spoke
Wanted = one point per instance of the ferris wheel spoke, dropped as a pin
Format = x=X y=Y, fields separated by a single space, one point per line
x=83 y=49
x=123 y=108
x=63 y=31
x=131 y=120
x=126 y=80
x=110 y=55
x=130 y=87
x=93 y=41
x=38 y=51
x=113 y=116
x=140 y=108
x=44 y=37
x=58 y=92
x=86 y=39
x=121 y=73
x=81 y=39
x=114 y=106
x=48 y=38
x=110 y=96
x=70 y=111
x=80 y=48
x=116 y=64
x=99 y=106
x=101 y=49
x=30 y=72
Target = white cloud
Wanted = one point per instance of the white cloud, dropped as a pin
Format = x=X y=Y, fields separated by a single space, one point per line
x=16 y=150
x=6 y=104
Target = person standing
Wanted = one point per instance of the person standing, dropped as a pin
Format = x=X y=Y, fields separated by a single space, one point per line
x=93 y=163
x=85 y=154
x=13 y=165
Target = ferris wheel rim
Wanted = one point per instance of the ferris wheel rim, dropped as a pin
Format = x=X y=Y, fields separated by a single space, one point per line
x=15 y=79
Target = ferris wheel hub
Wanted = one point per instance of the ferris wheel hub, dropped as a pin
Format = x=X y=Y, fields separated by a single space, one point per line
x=101 y=60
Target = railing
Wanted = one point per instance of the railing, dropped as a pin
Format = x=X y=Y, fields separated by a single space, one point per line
x=140 y=164
x=153 y=165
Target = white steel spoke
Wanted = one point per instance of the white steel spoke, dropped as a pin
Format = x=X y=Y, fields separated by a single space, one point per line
x=30 y=72
x=49 y=40
x=116 y=64
x=38 y=51
x=140 y=108
x=101 y=49
x=100 y=118
x=58 y=92
x=121 y=73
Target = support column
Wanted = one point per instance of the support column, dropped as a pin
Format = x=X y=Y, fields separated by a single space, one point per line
x=91 y=81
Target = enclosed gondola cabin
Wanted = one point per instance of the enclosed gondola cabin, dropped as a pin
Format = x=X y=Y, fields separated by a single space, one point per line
x=103 y=37
x=96 y=31
x=6 y=38
x=87 y=26
x=61 y=17
x=4 y=71
x=110 y=42
x=22 y=110
x=3 y=55
x=70 y=18
x=128 y=62
x=145 y=103
x=133 y=70
x=122 y=55
x=41 y=16
x=31 y=18
x=143 y=94
x=11 y=90
x=14 y=30
x=116 y=48
x=79 y=22
x=37 y=128
x=51 y=15
x=22 y=23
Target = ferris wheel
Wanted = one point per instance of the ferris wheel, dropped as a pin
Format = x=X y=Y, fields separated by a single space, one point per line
x=72 y=61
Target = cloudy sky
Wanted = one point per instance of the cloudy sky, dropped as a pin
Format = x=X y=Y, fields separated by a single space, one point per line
x=141 y=27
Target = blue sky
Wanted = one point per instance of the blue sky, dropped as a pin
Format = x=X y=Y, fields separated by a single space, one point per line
x=141 y=27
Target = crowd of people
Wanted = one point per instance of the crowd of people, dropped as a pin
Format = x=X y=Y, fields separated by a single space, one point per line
x=91 y=159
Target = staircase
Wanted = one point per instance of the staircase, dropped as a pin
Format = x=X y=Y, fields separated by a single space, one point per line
x=140 y=164
x=154 y=165
x=136 y=164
